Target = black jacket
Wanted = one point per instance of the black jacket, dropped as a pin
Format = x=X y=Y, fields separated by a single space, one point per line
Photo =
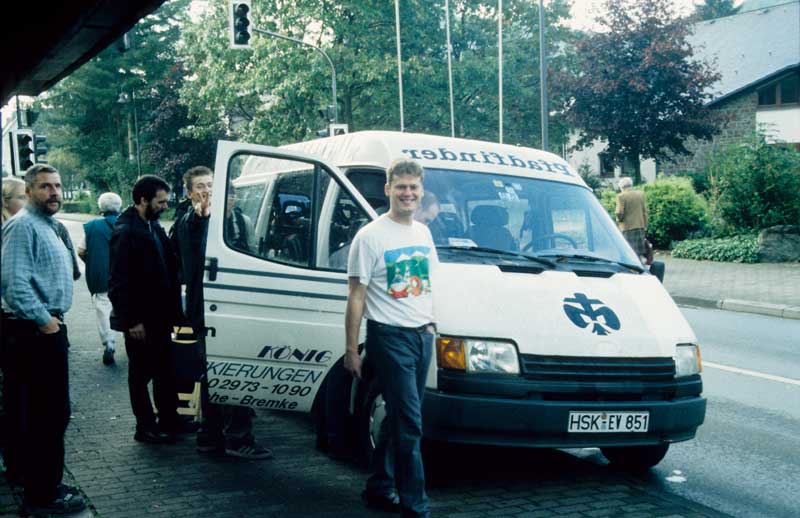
x=142 y=288
x=190 y=234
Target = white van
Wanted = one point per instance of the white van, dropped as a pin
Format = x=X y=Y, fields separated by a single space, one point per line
x=550 y=331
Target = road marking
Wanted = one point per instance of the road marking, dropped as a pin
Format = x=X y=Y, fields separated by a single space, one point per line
x=751 y=373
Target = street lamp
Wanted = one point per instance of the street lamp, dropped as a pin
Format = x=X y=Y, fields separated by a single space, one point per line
x=124 y=98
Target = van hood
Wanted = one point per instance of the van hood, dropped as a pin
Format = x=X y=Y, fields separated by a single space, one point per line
x=558 y=312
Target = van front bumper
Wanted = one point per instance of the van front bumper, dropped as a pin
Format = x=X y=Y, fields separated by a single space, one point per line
x=536 y=423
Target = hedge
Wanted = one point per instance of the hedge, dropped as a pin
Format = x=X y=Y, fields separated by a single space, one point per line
x=736 y=249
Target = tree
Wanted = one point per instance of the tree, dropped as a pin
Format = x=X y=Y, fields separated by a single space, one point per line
x=638 y=87
x=272 y=94
x=83 y=118
x=710 y=9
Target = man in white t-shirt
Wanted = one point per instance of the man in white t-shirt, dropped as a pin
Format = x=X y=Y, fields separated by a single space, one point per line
x=389 y=274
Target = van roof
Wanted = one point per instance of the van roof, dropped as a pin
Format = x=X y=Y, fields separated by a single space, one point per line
x=380 y=148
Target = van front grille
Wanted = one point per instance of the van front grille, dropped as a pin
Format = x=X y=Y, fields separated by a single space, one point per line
x=592 y=369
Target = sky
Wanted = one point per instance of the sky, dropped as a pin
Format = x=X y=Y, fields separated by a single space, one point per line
x=583 y=11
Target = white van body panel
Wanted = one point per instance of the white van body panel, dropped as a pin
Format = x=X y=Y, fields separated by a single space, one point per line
x=378 y=149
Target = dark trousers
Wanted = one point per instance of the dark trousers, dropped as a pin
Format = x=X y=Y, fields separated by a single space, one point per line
x=228 y=424
x=400 y=357
x=151 y=360
x=37 y=406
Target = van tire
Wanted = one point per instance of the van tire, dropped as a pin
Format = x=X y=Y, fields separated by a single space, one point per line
x=635 y=458
x=371 y=413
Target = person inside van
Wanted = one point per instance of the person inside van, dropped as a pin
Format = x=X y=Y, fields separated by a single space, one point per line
x=428 y=214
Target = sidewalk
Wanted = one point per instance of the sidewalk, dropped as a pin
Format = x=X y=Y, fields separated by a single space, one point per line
x=764 y=288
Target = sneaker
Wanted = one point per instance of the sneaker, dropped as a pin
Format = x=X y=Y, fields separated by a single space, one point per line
x=179 y=426
x=108 y=356
x=153 y=436
x=68 y=501
x=249 y=450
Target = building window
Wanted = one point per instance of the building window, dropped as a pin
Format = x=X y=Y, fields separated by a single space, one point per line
x=606 y=165
x=783 y=91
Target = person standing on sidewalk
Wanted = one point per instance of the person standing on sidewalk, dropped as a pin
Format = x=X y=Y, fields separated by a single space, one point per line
x=95 y=252
x=145 y=295
x=36 y=292
x=631 y=214
x=225 y=428
x=389 y=269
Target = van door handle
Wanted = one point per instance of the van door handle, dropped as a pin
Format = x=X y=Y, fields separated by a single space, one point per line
x=213 y=268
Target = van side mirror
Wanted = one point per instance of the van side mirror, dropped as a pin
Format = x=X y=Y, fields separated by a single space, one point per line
x=657 y=269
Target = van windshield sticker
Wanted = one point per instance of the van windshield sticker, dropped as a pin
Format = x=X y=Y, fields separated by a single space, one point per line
x=580 y=310
x=488 y=158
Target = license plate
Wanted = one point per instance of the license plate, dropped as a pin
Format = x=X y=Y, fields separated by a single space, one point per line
x=608 y=422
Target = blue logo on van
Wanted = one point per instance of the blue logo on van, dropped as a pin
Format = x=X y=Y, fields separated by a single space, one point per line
x=584 y=311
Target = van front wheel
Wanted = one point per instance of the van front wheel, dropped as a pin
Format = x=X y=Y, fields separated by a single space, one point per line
x=635 y=458
x=370 y=420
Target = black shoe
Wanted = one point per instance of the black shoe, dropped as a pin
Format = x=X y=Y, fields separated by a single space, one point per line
x=68 y=501
x=108 y=357
x=179 y=426
x=388 y=503
x=153 y=437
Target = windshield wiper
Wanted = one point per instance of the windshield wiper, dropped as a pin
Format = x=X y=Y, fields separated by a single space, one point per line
x=594 y=258
x=497 y=251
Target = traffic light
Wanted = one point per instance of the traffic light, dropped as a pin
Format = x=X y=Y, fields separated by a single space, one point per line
x=240 y=24
x=39 y=149
x=22 y=152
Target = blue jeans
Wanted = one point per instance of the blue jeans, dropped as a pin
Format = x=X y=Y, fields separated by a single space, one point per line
x=400 y=357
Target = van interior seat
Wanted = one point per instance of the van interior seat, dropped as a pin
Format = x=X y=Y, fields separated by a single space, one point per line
x=489 y=227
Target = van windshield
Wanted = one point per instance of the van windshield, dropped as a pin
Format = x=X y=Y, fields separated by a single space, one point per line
x=514 y=214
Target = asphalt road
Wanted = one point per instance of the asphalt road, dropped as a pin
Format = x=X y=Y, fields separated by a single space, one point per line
x=744 y=461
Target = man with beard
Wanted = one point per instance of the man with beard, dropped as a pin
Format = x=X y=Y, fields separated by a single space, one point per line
x=36 y=292
x=145 y=295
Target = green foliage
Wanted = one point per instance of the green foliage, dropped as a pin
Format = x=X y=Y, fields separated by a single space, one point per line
x=735 y=249
x=755 y=186
x=82 y=207
x=592 y=180
x=700 y=181
x=272 y=93
x=608 y=199
x=637 y=86
x=674 y=210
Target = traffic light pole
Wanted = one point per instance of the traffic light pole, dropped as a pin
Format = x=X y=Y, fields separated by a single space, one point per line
x=301 y=42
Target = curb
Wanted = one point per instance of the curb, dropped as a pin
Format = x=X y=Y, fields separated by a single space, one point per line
x=742 y=306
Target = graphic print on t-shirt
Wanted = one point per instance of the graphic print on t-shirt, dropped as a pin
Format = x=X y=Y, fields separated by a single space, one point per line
x=407 y=271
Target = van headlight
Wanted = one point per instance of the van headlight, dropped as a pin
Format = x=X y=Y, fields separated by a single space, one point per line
x=479 y=356
x=687 y=360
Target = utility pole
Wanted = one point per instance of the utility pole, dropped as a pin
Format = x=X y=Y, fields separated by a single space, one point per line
x=399 y=60
x=543 y=76
x=500 y=64
x=449 y=66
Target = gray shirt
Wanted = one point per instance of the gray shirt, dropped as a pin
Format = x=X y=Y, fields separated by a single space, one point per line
x=36 y=267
